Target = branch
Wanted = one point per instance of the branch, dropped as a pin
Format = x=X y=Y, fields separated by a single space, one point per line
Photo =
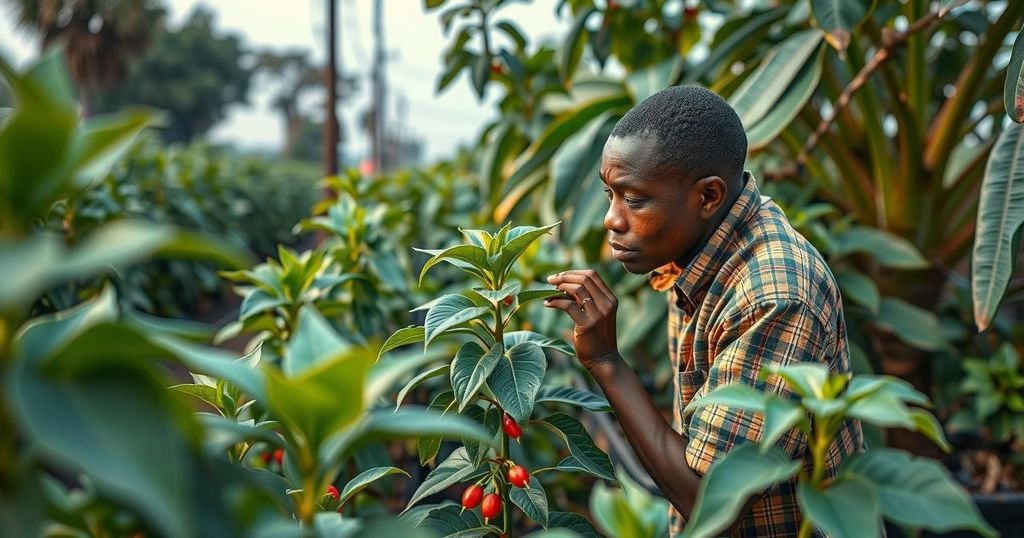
x=891 y=40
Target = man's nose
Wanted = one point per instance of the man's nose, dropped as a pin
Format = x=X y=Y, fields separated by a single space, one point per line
x=613 y=219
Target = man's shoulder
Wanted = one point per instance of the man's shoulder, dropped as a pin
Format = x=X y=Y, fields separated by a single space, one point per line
x=773 y=261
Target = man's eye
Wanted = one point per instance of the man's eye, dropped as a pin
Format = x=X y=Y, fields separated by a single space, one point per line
x=608 y=193
x=633 y=202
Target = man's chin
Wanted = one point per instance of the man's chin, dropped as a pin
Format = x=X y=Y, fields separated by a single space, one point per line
x=637 y=267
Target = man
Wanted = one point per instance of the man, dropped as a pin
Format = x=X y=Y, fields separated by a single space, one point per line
x=745 y=290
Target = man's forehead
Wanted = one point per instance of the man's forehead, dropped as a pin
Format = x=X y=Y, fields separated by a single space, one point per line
x=632 y=154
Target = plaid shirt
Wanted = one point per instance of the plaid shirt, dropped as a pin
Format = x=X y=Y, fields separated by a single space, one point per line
x=758 y=293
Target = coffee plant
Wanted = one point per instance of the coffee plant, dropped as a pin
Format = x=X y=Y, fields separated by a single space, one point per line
x=496 y=379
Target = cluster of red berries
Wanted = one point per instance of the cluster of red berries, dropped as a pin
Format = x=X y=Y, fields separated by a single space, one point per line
x=277 y=456
x=490 y=504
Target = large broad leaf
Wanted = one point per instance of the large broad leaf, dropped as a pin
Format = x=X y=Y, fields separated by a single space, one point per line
x=887 y=249
x=571 y=51
x=517 y=337
x=914 y=325
x=644 y=83
x=568 y=395
x=428 y=446
x=582 y=446
x=848 y=508
x=730 y=481
x=386 y=373
x=1000 y=215
x=780 y=416
x=402 y=337
x=43 y=335
x=578 y=159
x=313 y=342
x=505 y=143
x=321 y=400
x=109 y=424
x=807 y=380
x=451 y=310
x=838 y=18
x=364 y=479
x=470 y=369
x=788 y=106
x=420 y=378
x=457 y=468
x=516 y=379
x=917 y=492
x=519 y=238
x=1013 y=91
x=860 y=289
x=532 y=501
x=763 y=88
x=470 y=258
x=408 y=423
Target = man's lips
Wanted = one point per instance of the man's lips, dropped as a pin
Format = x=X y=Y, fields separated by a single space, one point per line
x=622 y=253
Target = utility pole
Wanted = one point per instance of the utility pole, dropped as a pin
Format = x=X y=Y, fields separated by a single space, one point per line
x=331 y=81
x=379 y=87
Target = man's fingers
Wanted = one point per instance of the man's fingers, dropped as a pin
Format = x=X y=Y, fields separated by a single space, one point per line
x=588 y=280
x=569 y=306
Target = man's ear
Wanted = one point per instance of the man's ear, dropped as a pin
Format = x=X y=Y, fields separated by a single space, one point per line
x=713 y=192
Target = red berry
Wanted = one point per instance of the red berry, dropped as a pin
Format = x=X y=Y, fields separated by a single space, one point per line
x=519 y=476
x=508 y=300
x=278 y=456
x=333 y=492
x=511 y=428
x=496 y=68
x=472 y=496
x=491 y=506
x=690 y=13
x=266 y=458
x=612 y=5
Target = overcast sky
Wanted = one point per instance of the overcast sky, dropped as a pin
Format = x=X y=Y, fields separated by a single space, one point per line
x=413 y=38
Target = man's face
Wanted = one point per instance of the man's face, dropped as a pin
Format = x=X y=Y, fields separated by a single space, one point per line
x=653 y=217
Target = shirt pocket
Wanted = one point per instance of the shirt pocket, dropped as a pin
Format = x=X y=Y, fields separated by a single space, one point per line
x=690 y=381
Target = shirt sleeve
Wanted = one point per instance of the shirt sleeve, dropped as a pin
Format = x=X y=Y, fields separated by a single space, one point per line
x=775 y=332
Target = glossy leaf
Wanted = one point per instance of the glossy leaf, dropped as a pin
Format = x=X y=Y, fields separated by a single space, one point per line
x=517 y=337
x=1000 y=216
x=402 y=337
x=887 y=249
x=505 y=142
x=454 y=522
x=428 y=446
x=573 y=522
x=644 y=83
x=571 y=51
x=451 y=310
x=519 y=238
x=838 y=18
x=914 y=325
x=420 y=378
x=466 y=257
x=807 y=380
x=388 y=372
x=582 y=446
x=737 y=395
x=455 y=469
x=729 y=482
x=763 y=88
x=313 y=342
x=859 y=288
x=470 y=368
x=780 y=416
x=917 y=492
x=365 y=479
x=568 y=395
x=847 y=508
x=1013 y=90
x=517 y=377
x=788 y=106
x=532 y=501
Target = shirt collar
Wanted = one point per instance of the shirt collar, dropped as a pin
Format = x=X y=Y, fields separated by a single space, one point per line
x=690 y=281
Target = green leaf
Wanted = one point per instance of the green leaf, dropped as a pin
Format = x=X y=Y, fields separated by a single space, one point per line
x=568 y=395
x=313 y=342
x=581 y=446
x=457 y=468
x=566 y=125
x=927 y=424
x=41 y=336
x=533 y=295
x=490 y=420
x=517 y=377
x=216 y=363
x=917 y=492
x=730 y=481
x=427 y=447
x=322 y=399
x=859 y=288
x=402 y=337
x=203 y=392
x=503 y=146
x=386 y=373
x=881 y=409
x=470 y=369
x=576 y=162
x=451 y=310
x=1000 y=215
x=788 y=106
x=453 y=521
x=496 y=296
x=571 y=51
x=517 y=337
x=848 y=508
x=780 y=416
x=838 y=18
x=481 y=73
x=519 y=238
x=574 y=522
x=1013 y=90
x=645 y=82
x=364 y=479
x=470 y=258
x=911 y=324
x=737 y=395
x=420 y=378
x=864 y=385
x=762 y=89
x=807 y=380
x=532 y=501
x=888 y=249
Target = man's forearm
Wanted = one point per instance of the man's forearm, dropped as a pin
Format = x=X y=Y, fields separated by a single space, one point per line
x=658 y=447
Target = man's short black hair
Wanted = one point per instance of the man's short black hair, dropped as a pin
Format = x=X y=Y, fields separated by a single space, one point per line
x=697 y=133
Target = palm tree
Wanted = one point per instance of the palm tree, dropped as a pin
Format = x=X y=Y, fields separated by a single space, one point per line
x=99 y=36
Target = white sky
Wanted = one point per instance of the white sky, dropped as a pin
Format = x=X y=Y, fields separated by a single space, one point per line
x=414 y=41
